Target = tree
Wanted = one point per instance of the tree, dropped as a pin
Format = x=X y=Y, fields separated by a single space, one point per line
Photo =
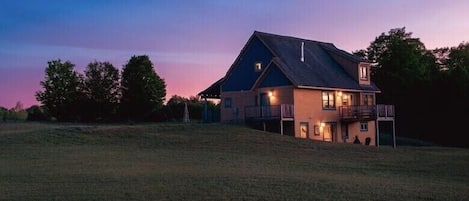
x=36 y=113
x=62 y=90
x=101 y=86
x=451 y=94
x=400 y=61
x=17 y=112
x=143 y=91
x=3 y=113
x=174 y=108
x=403 y=69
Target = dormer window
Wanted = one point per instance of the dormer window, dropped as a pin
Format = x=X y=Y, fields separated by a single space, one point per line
x=363 y=73
x=258 y=66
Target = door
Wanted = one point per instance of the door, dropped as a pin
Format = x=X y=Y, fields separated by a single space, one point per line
x=304 y=129
x=264 y=105
x=344 y=129
x=330 y=131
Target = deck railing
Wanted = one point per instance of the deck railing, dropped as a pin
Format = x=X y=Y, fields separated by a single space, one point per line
x=282 y=111
x=366 y=112
x=357 y=112
x=385 y=111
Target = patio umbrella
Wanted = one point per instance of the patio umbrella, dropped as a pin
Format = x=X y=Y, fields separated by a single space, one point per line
x=186 y=114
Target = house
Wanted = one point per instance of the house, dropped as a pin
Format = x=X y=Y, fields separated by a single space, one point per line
x=300 y=87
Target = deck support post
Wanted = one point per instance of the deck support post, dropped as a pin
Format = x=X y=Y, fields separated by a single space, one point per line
x=377 y=133
x=281 y=127
x=393 y=135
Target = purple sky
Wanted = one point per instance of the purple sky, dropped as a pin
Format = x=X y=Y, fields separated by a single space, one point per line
x=193 y=43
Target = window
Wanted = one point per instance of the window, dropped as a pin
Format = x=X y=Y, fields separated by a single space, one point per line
x=316 y=130
x=367 y=99
x=346 y=100
x=363 y=126
x=363 y=73
x=328 y=100
x=227 y=102
x=258 y=66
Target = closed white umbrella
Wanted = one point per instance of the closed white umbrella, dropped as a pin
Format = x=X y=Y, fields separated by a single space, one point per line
x=186 y=114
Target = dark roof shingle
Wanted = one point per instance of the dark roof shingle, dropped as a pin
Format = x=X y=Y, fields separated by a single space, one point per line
x=319 y=69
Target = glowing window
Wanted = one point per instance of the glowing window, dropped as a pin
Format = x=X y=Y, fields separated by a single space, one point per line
x=328 y=100
x=363 y=73
x=258 y=66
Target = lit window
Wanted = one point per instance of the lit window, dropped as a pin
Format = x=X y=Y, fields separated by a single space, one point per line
x=328 y=100
x=258 y=66
x=363 y=126
x=367 y=99
x=363 y=73
x=227 y=102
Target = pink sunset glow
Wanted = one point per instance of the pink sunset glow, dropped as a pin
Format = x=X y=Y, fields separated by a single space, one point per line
x=193 y=43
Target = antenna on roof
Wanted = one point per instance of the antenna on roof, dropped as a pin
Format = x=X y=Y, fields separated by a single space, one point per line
x=302 y=51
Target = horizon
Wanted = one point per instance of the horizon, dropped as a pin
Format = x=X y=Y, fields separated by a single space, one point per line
x=192 y=44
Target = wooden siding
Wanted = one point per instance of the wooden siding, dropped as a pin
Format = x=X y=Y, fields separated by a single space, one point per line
x=239 y=100
x=274 y=78
x=308 y=108
x=242 y=74
x=354 y=130
x=280 y=95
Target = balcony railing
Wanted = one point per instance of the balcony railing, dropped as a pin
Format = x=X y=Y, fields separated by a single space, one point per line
x=366 y=112
x=357 y=112
x=283 y=111
x=385 y=111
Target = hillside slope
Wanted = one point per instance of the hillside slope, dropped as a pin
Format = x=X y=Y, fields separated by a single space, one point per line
x=215 y=162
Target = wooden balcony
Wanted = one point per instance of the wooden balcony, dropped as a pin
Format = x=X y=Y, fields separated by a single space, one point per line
x=269 y=112
x=366 y=112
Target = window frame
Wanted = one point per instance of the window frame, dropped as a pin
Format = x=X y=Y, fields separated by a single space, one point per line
x=326 y=103
x=368 y=97
x=363 y=126
x=228 y=102
x=363 y=73
x=258 y=66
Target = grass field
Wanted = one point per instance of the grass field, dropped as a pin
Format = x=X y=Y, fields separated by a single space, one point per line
x=40 y=161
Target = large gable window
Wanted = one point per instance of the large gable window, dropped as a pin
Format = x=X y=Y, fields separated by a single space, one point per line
x=363 y=73
x=328 y=100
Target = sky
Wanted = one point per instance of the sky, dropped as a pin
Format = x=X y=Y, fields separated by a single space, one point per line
x=193 y=43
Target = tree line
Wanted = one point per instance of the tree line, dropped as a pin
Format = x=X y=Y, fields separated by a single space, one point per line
x=429 y=87
x=104 y=94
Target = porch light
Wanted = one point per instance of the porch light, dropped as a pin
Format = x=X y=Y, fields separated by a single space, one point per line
x=339 y=94
x=322 y=124
x=271 y=93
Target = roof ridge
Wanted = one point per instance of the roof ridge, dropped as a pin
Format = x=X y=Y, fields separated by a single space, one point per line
x=290 y=37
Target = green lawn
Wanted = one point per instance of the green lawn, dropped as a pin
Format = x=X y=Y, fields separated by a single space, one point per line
x=41 y=161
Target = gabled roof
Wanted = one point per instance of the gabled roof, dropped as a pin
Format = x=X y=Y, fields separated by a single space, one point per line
x=213 y=91
x=319 y=69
